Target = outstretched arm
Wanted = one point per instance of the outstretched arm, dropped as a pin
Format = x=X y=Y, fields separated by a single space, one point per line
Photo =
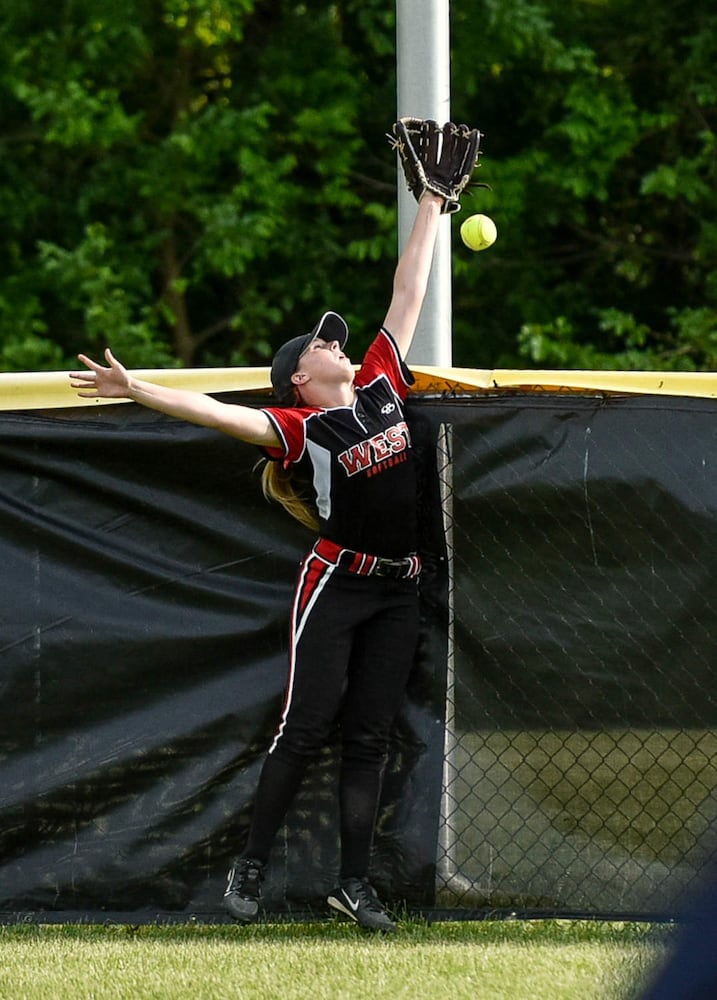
x=115 y=382
x=412 y=272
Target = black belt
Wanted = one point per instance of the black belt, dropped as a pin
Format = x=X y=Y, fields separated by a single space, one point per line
x=364 y=564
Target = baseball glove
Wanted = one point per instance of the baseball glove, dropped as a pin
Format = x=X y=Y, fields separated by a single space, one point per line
x=436 y=159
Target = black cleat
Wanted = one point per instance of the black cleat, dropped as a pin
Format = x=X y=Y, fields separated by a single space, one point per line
x=241 y=898
x=358 y=900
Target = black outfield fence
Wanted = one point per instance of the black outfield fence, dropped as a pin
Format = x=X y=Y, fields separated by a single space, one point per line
x=557 y=751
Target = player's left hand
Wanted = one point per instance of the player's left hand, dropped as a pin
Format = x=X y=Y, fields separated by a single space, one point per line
x=436 y=158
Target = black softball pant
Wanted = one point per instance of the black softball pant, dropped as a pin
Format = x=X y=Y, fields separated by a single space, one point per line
x=352 y=644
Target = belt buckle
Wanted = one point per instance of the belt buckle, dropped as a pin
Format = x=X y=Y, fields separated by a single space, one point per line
x=393 y=568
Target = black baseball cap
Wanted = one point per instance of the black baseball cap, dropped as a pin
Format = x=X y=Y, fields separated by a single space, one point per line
x=330 y=327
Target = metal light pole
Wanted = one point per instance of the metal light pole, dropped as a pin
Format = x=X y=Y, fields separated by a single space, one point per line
x=423 y=84
x=423 y=78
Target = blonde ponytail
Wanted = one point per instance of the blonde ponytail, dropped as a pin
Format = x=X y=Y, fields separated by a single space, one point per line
x=277 y=484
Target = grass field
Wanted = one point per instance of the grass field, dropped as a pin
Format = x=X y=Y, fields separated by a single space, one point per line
x=486 y=960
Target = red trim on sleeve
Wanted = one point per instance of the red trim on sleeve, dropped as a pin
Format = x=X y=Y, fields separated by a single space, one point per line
x=290 y=426
x=384 y=358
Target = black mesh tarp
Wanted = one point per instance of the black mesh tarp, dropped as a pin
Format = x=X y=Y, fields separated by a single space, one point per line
x=145 y=588
x=145 y=593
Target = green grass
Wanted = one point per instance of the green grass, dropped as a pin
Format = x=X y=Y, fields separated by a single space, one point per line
x=486 y=960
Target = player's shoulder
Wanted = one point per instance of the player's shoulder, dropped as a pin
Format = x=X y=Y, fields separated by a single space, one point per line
x=383 y=360
x=292 y=414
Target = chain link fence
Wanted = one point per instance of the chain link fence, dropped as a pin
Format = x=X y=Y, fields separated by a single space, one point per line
x=580 y=770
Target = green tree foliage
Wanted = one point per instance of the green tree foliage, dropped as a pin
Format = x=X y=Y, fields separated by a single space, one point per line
x=179 y=178
x=600 y=148
x=194 y=180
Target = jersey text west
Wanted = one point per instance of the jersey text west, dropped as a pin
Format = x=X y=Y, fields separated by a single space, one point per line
x=374 y=450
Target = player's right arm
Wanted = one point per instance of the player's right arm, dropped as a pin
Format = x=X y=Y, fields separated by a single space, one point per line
x=410 y=281
x=115 y=382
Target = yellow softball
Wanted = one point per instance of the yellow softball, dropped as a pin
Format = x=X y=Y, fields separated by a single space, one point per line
x=478 y=232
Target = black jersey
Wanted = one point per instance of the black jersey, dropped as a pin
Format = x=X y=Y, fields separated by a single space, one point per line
x=360 y=456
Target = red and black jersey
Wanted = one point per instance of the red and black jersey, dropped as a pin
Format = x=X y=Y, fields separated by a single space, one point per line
x=360 y=457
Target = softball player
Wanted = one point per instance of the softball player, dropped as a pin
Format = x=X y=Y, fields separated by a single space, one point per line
x=354 y=618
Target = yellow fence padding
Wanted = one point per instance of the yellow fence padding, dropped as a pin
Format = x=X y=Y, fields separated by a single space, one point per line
x=49 y=390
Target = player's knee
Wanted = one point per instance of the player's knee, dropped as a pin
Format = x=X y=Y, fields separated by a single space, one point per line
x=299 y=745
x=366 y=754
